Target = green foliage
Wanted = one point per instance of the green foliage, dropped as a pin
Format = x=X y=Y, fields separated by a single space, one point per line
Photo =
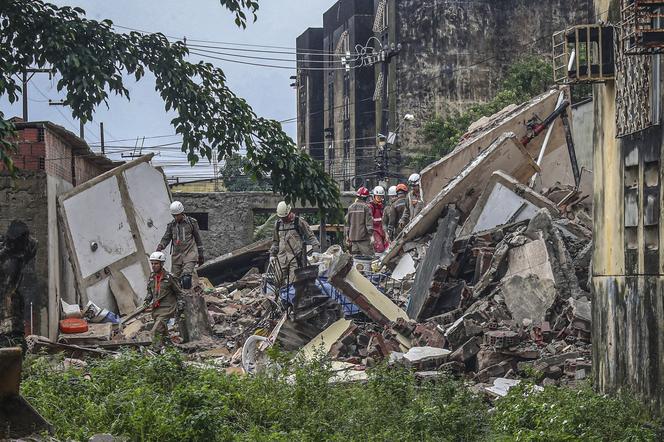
x=165 y=398
x=91 y=59
x=525 y=79
x=560 y=414
x=235 y=178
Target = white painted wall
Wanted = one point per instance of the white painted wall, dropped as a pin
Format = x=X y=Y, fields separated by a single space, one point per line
x=60 y=273
x=151 y=205
x=99 y=214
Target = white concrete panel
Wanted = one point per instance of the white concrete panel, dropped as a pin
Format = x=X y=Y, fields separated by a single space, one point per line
x=499 y=208
x=96 y=215
x=151 y=201
x=137 y=279
x=101 y=295
x=60 y=274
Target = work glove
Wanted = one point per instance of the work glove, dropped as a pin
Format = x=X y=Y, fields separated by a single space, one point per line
x=147 y=301
x=180 y=305
x=160 y=248
x=201 y=260
x=401 y=225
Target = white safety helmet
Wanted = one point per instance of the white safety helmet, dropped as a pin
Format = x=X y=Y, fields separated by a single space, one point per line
x=414 y=179
x=283 y=209
x=392 y=191
x=379 y=191
x=158 y=256
x=176 y=208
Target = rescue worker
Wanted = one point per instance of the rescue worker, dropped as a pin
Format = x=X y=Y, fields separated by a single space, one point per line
x=291 y=236
x=377 y=209
x=359 y=225
x=187 y=247
x=395 y=211
x=414 y=202
x=164 y=295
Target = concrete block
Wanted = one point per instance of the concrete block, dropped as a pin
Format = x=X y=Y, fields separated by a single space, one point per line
x=528 y=297
x=423 y=357
x=345 y=277
x=323 y=342
x=467 y=351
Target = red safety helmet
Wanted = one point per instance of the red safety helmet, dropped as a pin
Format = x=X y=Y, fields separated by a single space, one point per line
x=401 y=187
x=363 y=192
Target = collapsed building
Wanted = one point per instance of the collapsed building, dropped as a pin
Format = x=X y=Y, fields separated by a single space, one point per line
x=489 y=281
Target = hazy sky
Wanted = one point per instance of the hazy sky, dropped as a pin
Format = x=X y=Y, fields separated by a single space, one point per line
x=267 y=90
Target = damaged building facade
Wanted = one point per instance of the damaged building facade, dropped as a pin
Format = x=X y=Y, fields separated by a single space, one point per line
x=52 y=161
x=628 y=310
x=413 y=58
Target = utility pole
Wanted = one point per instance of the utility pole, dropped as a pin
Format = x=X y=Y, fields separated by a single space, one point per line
x=25 y=79
x=101 y=136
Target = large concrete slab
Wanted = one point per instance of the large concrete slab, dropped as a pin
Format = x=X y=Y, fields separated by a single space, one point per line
x=111 y=225
x=439 y=254
x=439 y=174
x=503 y=201
x=506 y=154
x=345 y=277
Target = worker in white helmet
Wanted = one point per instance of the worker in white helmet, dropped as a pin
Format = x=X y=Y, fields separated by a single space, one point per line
x=164 y=295
x=290 y=239
x=414 y=202
x=394 y=211
x=187 y=247
x=377 y=206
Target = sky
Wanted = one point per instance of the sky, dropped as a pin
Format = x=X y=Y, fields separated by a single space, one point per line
x=267 y=90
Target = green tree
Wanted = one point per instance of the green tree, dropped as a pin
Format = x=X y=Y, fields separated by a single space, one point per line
x=91 y=59
x=234 y=175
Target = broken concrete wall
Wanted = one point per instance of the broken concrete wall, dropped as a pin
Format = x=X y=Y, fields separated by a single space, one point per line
x=503 y=201
x=513 y=119
x=112 y=223
x=506 y=153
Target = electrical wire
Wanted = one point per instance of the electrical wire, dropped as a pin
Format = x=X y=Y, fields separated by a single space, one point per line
x=289 y=60
x=185 y=40
x=266 y=65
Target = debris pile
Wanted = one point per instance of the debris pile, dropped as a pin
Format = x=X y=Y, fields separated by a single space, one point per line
x=489 y=281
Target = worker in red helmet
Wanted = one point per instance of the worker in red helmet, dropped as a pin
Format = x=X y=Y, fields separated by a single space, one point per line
x=377 y=206
x=359 y=225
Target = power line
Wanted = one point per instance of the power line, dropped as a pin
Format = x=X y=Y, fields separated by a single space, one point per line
x=185 y=40
x=267 y=65
x=288 y=60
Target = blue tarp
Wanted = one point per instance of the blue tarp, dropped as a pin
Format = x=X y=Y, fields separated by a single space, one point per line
x=287 y=295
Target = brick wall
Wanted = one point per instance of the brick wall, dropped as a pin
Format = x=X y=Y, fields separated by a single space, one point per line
x=31 y=150
x=58 y=157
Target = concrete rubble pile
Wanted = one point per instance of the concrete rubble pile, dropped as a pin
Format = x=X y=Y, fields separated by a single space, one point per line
x=489 y=281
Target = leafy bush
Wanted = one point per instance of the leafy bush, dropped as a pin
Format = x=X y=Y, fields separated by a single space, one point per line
x=166 y=398
x=562 y=414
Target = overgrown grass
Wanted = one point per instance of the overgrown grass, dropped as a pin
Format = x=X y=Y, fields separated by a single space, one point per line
x=164 y=399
